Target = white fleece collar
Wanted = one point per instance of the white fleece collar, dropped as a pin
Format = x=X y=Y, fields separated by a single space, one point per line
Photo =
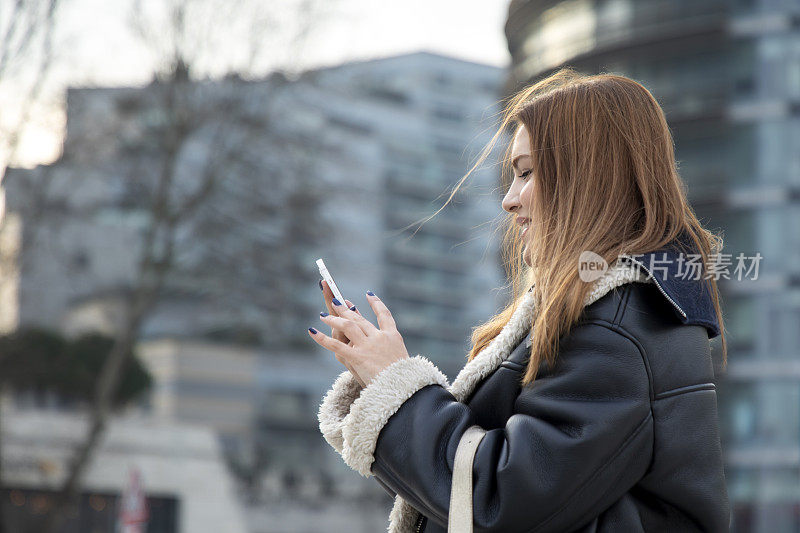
x=520 y=325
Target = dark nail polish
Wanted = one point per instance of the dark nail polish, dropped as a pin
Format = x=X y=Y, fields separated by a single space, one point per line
x=323 y=314
x=353 y=308
x=312 y=330
x=371 y=293
x=336 y=302
x=320 y=285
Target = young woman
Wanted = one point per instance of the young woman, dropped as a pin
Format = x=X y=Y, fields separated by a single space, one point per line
x=595 y=385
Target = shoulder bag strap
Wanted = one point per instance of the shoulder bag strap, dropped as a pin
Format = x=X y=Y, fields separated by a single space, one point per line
x=460 y=519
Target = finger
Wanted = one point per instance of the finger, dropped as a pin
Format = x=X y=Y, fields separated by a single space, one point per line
x=339 y=335
x=343 y=338
x=384 y=316
x=337 y=347
x=366 y=326
x=352 y=305
x=327 y=294
x=350 y=328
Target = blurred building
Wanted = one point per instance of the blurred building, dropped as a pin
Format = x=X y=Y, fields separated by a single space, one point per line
x=188 y=487
x=727 y=73
x=398 y=132
x=334 y=164
x=381 y=138
x=210 y=384
x=406 y=129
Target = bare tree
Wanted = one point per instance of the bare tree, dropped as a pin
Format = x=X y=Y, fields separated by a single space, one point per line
x=192 y=203
x=26 y=61
x=26 y=57
x=26 y=29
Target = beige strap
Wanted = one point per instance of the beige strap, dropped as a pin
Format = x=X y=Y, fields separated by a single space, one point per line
x=460 y=519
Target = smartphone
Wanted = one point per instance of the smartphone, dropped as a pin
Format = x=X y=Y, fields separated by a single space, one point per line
x=323 y=271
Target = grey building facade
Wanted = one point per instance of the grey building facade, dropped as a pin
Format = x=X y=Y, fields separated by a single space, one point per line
x=333 y=164
x=727 y=74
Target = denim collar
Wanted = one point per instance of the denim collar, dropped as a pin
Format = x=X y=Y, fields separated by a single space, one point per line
x=680 y=282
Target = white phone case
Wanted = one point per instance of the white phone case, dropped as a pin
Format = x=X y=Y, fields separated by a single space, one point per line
x=323 y=271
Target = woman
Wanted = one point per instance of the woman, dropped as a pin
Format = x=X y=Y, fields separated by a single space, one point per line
x=595 y=384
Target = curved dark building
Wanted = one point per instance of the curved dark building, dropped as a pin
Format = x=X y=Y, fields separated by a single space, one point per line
x=727 y=74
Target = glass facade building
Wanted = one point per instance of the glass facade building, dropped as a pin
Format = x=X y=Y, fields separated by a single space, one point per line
x=727 y=74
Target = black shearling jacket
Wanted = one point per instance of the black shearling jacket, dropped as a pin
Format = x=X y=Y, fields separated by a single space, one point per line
x=620 y=435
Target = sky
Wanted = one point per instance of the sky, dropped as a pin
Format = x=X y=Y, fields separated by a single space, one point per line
x=98 y=46
x=468 y=29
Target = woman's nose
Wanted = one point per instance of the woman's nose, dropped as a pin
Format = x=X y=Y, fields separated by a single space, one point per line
x=510 y=203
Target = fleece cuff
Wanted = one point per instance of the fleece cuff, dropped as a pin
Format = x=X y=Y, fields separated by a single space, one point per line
x=335 y=406
x=378 y=401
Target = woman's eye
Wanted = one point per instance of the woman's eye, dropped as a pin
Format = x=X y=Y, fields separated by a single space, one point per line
x=525 y=174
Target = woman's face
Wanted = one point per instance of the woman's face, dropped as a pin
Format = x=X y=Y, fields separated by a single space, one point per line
x=519 y=198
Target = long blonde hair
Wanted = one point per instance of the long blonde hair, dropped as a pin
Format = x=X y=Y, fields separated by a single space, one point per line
x=607 y=181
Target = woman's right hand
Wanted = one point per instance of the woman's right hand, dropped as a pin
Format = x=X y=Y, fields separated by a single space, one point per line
x=327 y=295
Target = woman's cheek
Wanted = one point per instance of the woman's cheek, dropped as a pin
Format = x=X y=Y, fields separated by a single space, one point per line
x=526 y=195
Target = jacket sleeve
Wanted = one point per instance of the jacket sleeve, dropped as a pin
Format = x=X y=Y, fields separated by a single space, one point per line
x=579 y=437
x=334 y=407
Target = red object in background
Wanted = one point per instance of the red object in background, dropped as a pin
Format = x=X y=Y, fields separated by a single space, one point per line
x=133 y=512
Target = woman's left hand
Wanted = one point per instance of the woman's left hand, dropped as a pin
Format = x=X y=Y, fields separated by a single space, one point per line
x=373 y=349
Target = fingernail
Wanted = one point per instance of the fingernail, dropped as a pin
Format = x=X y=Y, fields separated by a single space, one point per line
x=312 y=330
x=353 y=308
x=371 y=293
x=323 y=314
x=336 y=302
x=320 y=285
